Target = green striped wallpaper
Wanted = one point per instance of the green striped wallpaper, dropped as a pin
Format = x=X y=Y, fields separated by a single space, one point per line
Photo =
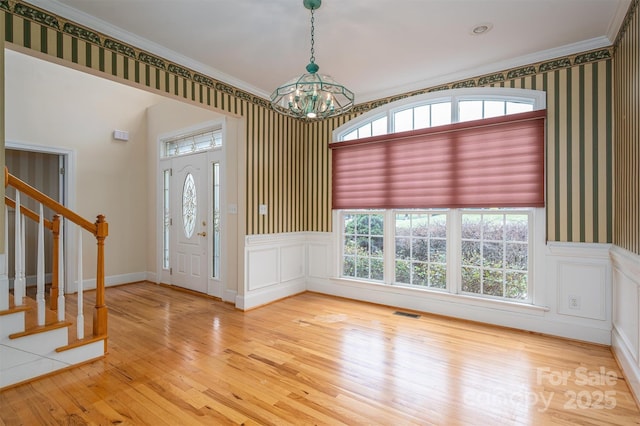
x=288 y=161
x=579 y=144
x=627 y=133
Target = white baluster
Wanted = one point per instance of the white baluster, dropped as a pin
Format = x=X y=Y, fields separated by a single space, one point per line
x=61 y=273
x=40 y=270
x=23 y=253
x=4 y=279
x=80 y=319
x=6 y=238
x=18 y=281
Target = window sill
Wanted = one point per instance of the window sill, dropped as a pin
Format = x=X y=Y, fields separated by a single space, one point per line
x=440 y=295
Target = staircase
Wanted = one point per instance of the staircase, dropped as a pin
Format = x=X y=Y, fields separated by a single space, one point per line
x=44 y=331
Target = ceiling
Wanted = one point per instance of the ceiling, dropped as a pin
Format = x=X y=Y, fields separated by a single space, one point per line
x=376 y=48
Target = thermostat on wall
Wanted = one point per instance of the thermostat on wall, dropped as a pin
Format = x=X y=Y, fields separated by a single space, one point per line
x=121 y=135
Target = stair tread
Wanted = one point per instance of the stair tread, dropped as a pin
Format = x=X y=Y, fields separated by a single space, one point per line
x=40 y=329
x=13 y=309
x=81 y=342
x=51 y=318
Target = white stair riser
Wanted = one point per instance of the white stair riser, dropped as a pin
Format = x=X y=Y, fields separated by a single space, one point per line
x=81 y=353
x=41 y=343
x=17 y=365
x=12 y=358
x=11 y=323
x=36 y=367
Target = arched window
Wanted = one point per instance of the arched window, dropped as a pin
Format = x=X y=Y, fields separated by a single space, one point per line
x=443 y=209
x=441 y=108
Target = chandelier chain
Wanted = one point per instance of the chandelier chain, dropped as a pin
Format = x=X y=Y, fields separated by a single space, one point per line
x=313 y=58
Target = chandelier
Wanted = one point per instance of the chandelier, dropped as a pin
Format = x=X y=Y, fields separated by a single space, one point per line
x=312 y=95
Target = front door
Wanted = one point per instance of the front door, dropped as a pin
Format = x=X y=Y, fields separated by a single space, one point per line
x=190 y=201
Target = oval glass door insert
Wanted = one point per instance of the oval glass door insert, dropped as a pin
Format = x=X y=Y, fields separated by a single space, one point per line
x=189 y=204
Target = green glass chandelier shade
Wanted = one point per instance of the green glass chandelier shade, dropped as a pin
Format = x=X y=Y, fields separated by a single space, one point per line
x=312 y=95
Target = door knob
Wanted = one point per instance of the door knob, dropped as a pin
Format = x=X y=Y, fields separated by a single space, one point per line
x=202 y=234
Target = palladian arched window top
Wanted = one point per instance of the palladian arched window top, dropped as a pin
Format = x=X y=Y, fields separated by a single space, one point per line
x=441 y=108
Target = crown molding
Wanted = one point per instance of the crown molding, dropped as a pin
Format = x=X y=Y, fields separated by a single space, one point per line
x=622 y=8
x=140 y=43
x=494 y=67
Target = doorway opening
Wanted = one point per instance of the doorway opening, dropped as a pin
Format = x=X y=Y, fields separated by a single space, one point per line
x=50 y=171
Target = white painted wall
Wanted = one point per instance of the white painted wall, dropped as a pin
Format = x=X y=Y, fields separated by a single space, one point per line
x=50 y=105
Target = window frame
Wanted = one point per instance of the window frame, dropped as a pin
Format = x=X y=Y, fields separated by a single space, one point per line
x=530 y=212
x=537 y=215
x=385 y=219
x=535 y=268
x=538 y=97
x=448 y=257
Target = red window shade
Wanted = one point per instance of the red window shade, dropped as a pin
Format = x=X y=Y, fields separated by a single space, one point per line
x=495 y=162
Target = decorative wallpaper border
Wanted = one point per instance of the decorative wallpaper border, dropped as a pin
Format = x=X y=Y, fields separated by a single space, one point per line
x=500 y=77
x=627 y=21
x=35 y=14
x=57 y=23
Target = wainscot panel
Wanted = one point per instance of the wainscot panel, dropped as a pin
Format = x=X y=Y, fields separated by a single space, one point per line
x=588 y=319
x=626 y=317
x=274 y=268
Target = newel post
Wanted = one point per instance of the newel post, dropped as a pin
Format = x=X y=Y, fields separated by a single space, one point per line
x=53 y=293
x=100 y=314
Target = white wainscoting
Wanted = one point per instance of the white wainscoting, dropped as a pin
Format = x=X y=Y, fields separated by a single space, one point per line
x=626 y=314
x=577 y=270
x=275 y=268
x=580 y=290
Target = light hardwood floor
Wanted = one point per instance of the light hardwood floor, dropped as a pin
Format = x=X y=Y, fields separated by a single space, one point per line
x=179 y=359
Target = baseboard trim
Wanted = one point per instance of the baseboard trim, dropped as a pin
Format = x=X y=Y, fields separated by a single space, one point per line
x=534 y=321
x=629 y=366
x=114 y=280
x=270 y=294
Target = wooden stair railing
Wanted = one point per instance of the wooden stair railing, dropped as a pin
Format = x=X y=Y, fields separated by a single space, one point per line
x=99 y=230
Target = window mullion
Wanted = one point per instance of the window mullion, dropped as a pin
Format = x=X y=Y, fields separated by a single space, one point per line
x=454 y=109
x=389 y=246
x=454 y=249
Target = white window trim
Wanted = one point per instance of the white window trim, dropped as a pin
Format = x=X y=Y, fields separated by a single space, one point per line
x=537 y=305
x=538 y=97
x=207 y=127
x=457 y=253
x=537 y=302
x=536 y=244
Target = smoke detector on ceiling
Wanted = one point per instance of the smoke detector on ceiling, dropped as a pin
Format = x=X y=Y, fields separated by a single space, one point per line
x=481 y=29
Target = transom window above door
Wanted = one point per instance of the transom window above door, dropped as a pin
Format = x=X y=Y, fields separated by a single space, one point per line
x=190 y=143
